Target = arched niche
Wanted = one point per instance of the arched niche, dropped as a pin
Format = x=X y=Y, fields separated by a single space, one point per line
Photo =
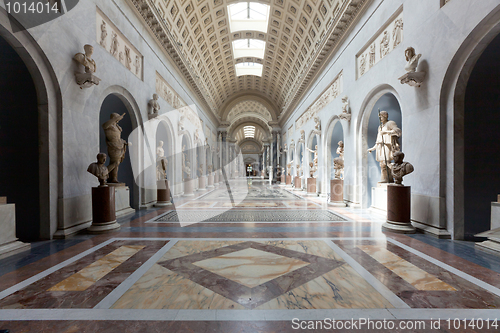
x=164 y=133
x=335 y=134
x=482 y=141
x=116 y=103
x=19 y=141
x=312 y=142
x=385 y=100
x=292 y=161
x=200 y=160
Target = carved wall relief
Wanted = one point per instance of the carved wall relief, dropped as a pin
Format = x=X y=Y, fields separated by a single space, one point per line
x=381 y=45
x=114 y=42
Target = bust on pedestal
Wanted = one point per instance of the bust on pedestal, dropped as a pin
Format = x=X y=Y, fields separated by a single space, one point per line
x=337 y=184
x=186 y=174
x=162 y=189
x=103 y=199
x=399 y=198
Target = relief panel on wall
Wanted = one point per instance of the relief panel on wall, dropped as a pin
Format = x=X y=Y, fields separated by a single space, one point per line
x=332 y=92
x=381 y=45
x=115 y=43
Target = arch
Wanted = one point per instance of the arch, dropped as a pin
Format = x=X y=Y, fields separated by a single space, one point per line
x=452 y=109
x=49 y=99
x=327 y=148
x=169 y=147
x=264 y=130
x=361 y=194
x=271 y=106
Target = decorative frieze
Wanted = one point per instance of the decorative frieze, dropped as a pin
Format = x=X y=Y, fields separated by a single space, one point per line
x=381 y=45
x=165 y=91
x=332 y=92
x=115 y=43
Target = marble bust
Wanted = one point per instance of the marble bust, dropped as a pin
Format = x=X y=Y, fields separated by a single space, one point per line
x=400 y=168
x=99 y=170
x=87 y=79
x=412 y=77
x=155 y=106
x=338 y=162
x=386 y=145
x=117 y=147
x=412 y=60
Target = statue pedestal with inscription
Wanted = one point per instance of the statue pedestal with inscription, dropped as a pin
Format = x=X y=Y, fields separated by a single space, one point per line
x=162 y=194
x=288 y=180
x=297 y=184
x=211 y=180
x=311 y=186
x=103 y=210
x=188 y=187
x=398 y=210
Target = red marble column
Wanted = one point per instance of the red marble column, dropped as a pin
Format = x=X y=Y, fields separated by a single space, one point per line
x=398 y=209
x=162 y=193
x=337 y=192
x=311 y=185
x=289 y=180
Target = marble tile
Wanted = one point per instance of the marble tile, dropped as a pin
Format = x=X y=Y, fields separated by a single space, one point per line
x=85 y=278
x=251 y=267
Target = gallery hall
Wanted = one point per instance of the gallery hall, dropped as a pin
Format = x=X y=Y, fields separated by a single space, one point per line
x=249 y=166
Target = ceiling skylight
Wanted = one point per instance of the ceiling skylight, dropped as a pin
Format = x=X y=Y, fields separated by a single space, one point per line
x=249 y=48
x=248 y=68
x=249 y=131
x=248 y=16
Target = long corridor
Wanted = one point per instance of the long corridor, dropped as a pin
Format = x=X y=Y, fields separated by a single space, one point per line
x=261 y=259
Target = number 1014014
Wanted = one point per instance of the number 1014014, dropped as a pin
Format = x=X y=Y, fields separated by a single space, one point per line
x=40 y=7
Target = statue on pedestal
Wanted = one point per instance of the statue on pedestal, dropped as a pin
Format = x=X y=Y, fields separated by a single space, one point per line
x=161 y=162
x=386 y=145
x=346 y=110
x=400 y=168
x=315 y=151
x=412 y=77
x=99 y=170
x=200 y=170
x=154 y=106
x=186 y=165
x=116 y=145
x=289 y=169
x=338 y=162
x=87 y=79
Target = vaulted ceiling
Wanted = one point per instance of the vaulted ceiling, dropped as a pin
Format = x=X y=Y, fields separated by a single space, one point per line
x=301 y=36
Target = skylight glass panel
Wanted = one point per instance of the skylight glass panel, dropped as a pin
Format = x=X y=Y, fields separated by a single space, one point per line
x=248 y=68
x=249 y=48
x=248 y=16
x=249 y=131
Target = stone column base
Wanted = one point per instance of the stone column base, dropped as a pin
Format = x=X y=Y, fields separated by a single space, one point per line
x=103 y=210
x=398 y=210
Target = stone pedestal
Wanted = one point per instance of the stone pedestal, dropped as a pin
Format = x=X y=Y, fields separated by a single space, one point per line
x=122 y=199
x=298 y=184
x=398 y=210
x=311 y=185
x=283 y=179
x=337 y=193
x=103 y=210
x=493 y=235
x=188 y=187
x=201 y=183
x=162 y=193
x=216 y=178
x=211 y=180
x=9 y=244
x=289 y=180
x=379 y=198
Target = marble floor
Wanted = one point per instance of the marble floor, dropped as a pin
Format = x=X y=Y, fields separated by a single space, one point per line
x=270 y=261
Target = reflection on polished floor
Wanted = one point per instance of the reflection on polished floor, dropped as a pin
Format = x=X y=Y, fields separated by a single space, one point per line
x=247 y=265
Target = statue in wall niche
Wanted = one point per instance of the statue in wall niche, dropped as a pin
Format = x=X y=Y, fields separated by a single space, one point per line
x=298 y=170
x=161 y=162
x=200 y=170
x=397 y=34
x=412 y=77
x=128 y=58
x=87 y=79
x=117 y=147
x=315 y=152
x=104 y=34
x=400 y=168
x=386 y=145
x=181 y=124
x=312 y=169
x=154 y=106
x=278 y=172
x=137 y=65
x=289 y=169
x=99 y=170
x=372 y=55
x=114 y=44
x=302 y=136
x=384 y=44
x=210 y=168
x=338 y=162
x=317 y=127
x=285 y=150
x=196 y=136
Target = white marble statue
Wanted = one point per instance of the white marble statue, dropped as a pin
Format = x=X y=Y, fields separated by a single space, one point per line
x=114 y=43
x=397 y=34
x=384 y=44
x=104 y=34
x=180 y=125
x=200 y=169
x=99 y=170
x=346 y=110
x=128 y=58
x=372 y=55
x=315 y=152
x=137 y=65
x=399 y=168
x=338 y=162
x=289 y=169
x=186 y=165
x=85 y=59
x=302 y=136
x=386 y=145
x=161 y=162
x=154 y=106
x=412 y=77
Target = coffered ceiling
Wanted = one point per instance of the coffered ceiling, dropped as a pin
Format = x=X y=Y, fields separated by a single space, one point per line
x=301 y=36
